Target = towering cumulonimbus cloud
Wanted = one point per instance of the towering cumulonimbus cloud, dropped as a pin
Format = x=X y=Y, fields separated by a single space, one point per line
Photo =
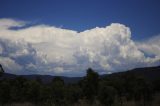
x=43 y=49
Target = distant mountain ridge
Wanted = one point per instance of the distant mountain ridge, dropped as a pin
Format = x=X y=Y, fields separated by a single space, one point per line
x=44 y=78
x=148 y=72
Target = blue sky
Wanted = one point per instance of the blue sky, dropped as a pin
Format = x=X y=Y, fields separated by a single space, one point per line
x=65 y=37
x=142 y=16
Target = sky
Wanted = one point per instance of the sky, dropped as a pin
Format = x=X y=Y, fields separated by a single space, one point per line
x=65 y=37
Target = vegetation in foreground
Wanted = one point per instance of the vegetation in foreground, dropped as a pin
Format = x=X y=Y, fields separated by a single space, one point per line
x=123 y=90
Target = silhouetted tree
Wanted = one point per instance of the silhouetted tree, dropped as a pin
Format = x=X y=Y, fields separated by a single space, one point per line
x=156 y=84
x=33 y=91
x=90 y=85
x=73 y=94
x=5 y=96
x=106 y=94
x=118 y=84
x=58 y=91
x=143 y=90
x=39 y=80
x=1 y=70
x=129 y=85
x=45 y=95
x=18 y=89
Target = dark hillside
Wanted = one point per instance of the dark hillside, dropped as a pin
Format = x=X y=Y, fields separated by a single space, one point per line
x=148 y=72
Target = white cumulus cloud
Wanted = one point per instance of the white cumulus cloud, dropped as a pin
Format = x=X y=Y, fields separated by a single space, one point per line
x=44 y=49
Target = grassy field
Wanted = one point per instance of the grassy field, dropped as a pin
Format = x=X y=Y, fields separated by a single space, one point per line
x=155 y=102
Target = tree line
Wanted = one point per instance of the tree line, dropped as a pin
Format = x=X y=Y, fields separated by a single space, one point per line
x=92 y=89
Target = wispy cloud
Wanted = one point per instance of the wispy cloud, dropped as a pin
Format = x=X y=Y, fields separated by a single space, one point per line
x=44 y=49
